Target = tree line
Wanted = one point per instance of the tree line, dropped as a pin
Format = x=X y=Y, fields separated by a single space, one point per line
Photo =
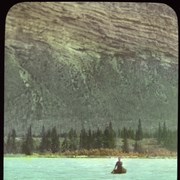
x=49 y=140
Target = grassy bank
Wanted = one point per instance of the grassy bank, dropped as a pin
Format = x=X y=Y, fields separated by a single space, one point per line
x=101 y=153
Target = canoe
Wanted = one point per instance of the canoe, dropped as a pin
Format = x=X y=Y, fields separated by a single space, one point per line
x=117 y=171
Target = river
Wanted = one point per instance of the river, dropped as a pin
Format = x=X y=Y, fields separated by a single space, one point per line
x=30 y=168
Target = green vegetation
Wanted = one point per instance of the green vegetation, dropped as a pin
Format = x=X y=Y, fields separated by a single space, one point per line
x=28 y=144
x=11 y=144
x=88 y=141
x=167 y=138
x=139 y=132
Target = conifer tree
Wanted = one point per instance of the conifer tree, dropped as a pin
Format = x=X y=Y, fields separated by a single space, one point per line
x=90 y=140
x=13 y=136
x=42 y=147
x=125 y=146
x=139 y=132
x=112 y=137
x=109 y=137
x=28 y=145
x=97 y=139
x=48 y=140
x=164 y=132
x=55 y=144
x=71 y=134
x=8 y=144
x=83 y=139
x=65 y=145
x=72 y=140
x=93 y=139
x=170 y=142
x=11 y=146
x=159 y=134
x=106 y=138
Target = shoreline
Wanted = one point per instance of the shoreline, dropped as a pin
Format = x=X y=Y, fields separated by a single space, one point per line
x=76 y=157
x=171 y=155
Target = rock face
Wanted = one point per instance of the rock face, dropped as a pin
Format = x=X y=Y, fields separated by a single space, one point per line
x=80 y=64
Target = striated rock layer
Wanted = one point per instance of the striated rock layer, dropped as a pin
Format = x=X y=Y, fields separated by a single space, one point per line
x=81 y=64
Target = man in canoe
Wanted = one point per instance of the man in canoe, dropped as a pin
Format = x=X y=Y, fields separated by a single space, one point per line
x=118 y=167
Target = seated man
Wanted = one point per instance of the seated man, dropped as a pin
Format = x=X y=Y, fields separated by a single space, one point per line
x=118 y=167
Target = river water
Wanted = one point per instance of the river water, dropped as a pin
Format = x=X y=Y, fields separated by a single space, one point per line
x=27 y=168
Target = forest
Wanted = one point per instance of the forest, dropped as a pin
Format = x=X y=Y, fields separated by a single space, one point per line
x=49 y=141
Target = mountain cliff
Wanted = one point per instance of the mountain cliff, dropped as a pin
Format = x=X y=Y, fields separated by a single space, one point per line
x=75 y=64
